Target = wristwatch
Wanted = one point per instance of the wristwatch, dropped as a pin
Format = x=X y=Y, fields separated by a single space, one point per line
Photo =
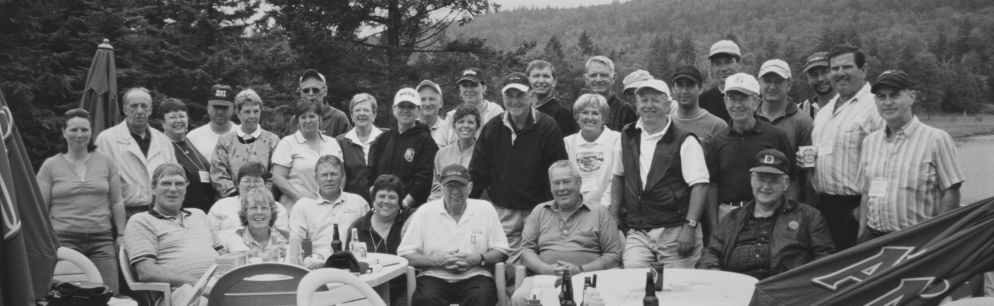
x=483 y=260
x=692 y=223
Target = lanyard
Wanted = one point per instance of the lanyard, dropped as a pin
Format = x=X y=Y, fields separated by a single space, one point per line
x=196 y=158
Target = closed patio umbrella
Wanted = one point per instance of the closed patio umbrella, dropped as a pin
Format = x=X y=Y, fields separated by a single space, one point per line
x=100 y=93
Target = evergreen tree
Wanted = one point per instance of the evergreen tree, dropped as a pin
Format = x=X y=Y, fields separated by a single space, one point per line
x=687 y=54
x=553 y=48
x=586 y=45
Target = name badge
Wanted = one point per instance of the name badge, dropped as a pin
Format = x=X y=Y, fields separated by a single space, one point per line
x=878 y=188
x=205 y=177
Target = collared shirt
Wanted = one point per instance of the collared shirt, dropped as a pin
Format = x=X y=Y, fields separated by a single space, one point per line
x=448 y=128
x=135 y=166
x=692 y=163
x=587 y=236
x=316 y=218
x=594 y=161
x=205 y=140
x=241 y=240
x=447 y=156
x=437 y=132
x=143 y=142
x=433 y=231
x=529 y=123
x=731 y=154
x=234 y=151
x=902 y=176
x=704 y=125
x=255 y=135
x=224 y=215
x=795 y=123
x=294 y=153
x=184 y=244
x=354 y=137
x=838 y=136
x=619 y=114
x=751 y=253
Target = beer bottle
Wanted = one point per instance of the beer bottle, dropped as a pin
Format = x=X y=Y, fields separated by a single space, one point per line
x=336 y=242
x=650 y=291
x=357 y=247
x=566 y=294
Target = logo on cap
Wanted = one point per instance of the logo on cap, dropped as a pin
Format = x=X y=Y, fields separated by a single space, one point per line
x=221 y=93
x=769 y=160
x=468 y=72
x=405 y=94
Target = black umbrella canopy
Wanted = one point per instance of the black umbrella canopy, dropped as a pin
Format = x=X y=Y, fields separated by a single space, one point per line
x=100 y=93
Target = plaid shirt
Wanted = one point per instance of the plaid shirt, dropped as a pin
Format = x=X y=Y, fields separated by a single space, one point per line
x=751 y=254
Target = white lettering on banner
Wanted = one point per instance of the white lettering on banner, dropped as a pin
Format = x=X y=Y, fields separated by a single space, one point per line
x=910 y=289
x=855 y=273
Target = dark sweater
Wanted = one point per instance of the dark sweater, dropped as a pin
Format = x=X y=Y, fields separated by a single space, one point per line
x=713 y=100
x=563 y=116
x=516 y=172
x=410 y=156
x=356 y=171
x=621 y=114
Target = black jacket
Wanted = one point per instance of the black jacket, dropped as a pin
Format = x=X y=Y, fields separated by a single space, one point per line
x=516 y=173
x=799 y=236
x=563 y=116
x=410 y=156
x=356 y=172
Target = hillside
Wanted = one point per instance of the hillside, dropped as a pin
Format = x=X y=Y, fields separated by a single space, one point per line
x=933 y=40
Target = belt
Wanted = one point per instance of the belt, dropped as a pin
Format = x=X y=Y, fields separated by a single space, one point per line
x=877 y=233
x=736 y=203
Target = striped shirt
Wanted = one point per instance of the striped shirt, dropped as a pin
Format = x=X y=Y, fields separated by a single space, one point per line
x=838 y=135
x=910 y=171
x=184 y=244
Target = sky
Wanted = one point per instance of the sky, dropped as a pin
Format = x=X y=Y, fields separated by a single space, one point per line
x=509 y=4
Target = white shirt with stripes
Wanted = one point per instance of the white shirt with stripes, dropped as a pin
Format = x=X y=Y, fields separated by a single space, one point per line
x=902 y=178
x=838 y=135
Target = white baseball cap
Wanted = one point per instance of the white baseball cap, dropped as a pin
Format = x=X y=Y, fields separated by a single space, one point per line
x=726 y=47
x=658 y=85
x=407 y=94
x=742 y=82
x=775 y=66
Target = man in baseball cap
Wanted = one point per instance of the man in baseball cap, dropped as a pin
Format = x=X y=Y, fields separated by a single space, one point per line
x=406 y=150
x=777 y=109
x=797 y=230
x=632 y=82
x=512 y=154
x=472 y=86
x=731 y=150
x=688 y=114
x=431 y=104
x=726 y=60
x=313 y=89
x=816 y=70
x=220 y=107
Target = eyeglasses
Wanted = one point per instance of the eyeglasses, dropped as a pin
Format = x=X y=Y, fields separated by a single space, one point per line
x=766 y=181
x=311 y=90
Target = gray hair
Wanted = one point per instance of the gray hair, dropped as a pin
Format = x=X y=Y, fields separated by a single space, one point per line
x=258 y=195
x=364 y=97
x=130 y=91
x=332 y=160
x=600 y=59
x=591 y=100
x=247 y=97
x=566 y=164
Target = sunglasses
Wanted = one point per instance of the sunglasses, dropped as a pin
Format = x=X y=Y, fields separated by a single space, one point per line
x=311 y=90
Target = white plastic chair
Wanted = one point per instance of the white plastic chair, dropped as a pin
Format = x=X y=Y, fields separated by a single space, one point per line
x=71 y=264
x=980 y=301
x=321 y=277
x=135 y=285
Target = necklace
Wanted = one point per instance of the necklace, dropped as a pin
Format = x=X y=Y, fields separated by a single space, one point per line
x=186 y=152
x=383 y=241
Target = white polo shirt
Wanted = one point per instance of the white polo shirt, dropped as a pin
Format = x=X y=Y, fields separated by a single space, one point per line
x=315 y=218
x=692 y=164
x=432 y=231
x=294 y=153
x=224 y=215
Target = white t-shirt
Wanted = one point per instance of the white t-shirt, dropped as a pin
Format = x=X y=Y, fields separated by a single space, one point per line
x=205 y=140
x=432 y=231
x=594 y=160
x=294 y=153
x=224 y=215
x=693 y=167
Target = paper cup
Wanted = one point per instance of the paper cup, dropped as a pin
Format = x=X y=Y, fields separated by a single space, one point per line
x=808 y=156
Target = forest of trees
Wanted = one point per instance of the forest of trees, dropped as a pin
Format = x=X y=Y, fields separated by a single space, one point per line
x=179 y=48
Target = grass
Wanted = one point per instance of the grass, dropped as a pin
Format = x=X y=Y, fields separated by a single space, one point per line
x=961 y=126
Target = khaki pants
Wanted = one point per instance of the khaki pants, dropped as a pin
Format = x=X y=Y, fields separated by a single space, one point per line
x=660 y=245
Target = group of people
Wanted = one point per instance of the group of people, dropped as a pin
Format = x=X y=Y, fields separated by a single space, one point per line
x=738 y=177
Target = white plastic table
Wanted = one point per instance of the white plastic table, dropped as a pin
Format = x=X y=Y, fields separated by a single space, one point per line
x=681 y=287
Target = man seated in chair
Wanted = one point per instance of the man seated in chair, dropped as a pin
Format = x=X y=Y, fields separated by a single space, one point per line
x=770 y=234
x=567 y=233
x=454 y=242
x=170 y=244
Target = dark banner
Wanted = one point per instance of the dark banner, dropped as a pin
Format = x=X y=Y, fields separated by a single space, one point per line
x=919 y=265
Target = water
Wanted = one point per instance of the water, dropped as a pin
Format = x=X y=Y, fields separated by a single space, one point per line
x=976 y=160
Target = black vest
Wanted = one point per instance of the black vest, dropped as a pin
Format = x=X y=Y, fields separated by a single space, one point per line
x=665 y=199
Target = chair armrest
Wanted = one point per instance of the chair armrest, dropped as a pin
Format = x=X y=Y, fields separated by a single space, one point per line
x=500 y=278
x=411 y=285
x=519 y=276
x=165 y=288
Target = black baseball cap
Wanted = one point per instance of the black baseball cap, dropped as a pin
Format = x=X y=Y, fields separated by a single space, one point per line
x=893 y=78
x=221 y=95
x=516 y=80
x=688 y=71
x=454 y=172
x=819 y=59
x=474 y=75
x=771 y=161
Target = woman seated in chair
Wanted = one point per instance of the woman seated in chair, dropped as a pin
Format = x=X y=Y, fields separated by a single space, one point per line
x=258 y=236
x=381 y=229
